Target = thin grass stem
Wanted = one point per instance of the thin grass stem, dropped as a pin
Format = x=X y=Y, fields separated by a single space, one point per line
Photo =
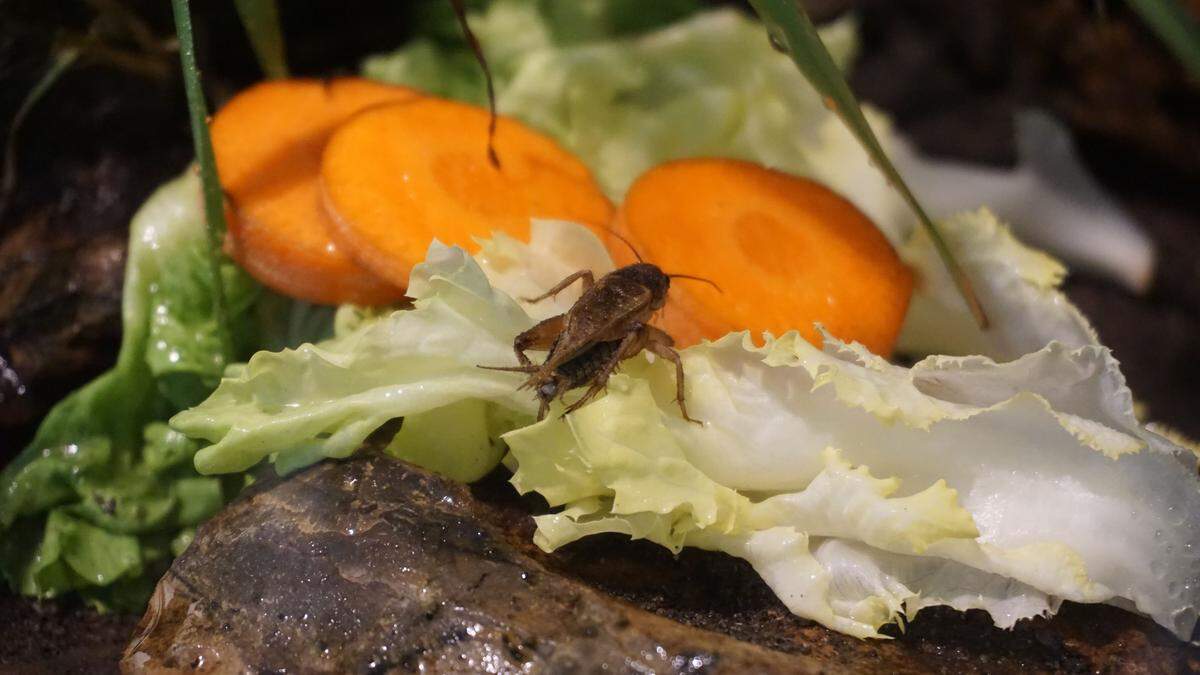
x=793 y=33
x=214 y=207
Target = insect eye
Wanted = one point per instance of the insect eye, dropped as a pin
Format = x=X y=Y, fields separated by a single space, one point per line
x=548 y=390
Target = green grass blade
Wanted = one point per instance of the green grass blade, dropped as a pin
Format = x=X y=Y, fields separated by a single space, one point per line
x=792 y=32
x=214 y=206
x=1178 y=29
x=62 y=60
x=261 y=20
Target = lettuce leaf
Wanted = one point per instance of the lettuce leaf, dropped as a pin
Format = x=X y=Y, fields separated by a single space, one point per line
x=439 y=61
x=96 y=500
x=322 y=400
x=860 y=490
x=1010 y=486
x=555 y=250
x=1019 y=286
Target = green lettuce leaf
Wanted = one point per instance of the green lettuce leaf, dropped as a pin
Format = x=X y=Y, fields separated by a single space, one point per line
x=95 y=501
x=1010 y=486
x=858 y=489
x=322 y=400
x=708 y=85
x=440 y=61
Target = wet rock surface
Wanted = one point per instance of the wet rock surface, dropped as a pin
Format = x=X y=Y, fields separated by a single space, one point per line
x=372 y=565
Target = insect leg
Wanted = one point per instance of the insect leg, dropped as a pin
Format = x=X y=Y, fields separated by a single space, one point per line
x=540 y=337
x=659 y=343
x=591 y=393
x=600 y=381
x=588 y=281
x=531 y=368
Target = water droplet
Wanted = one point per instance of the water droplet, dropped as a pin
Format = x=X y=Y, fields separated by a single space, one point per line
x=777 y=42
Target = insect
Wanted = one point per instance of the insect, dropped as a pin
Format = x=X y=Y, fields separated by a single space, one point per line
x=608 y=324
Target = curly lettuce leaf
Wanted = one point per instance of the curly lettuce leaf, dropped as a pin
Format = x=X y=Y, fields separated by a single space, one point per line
x=624 y=106
x=1009 y=486
x=555 y=250
x=860 y=490
x=96 y=501
x=1019 y=286
x=961 y=481
x=440 y=61
x=322 y=400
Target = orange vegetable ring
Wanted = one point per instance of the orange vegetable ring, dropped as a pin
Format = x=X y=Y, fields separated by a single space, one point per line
x=786 y=252
x=398 y=176
x=268 y=142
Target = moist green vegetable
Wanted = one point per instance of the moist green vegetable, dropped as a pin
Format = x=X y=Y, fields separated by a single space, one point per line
x=858 y=489
x=322 y=400
x=298 y=406
x=440 y=60
x=106 y=490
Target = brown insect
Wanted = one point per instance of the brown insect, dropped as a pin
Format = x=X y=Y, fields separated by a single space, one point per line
x=608 y=324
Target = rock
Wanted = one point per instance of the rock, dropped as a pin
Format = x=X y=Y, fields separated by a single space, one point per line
x=372 y=565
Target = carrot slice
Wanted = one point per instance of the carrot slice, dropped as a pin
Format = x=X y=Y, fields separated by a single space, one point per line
x=268 y=142
x=396 y=177
x=786 y=251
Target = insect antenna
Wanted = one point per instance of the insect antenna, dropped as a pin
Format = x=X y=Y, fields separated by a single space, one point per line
x=710 y=282
x=626 y=242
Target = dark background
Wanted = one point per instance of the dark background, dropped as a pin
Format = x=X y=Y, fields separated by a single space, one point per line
x=951 y=73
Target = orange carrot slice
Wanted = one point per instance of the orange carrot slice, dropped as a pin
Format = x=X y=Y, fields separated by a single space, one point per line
x=396 y=177
x=786 y=251
x=268 y=142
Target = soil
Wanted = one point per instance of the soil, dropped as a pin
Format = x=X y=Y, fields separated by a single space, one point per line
x=60 y=637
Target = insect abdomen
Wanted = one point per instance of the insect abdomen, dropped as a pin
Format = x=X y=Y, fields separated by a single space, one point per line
x=591 y=362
